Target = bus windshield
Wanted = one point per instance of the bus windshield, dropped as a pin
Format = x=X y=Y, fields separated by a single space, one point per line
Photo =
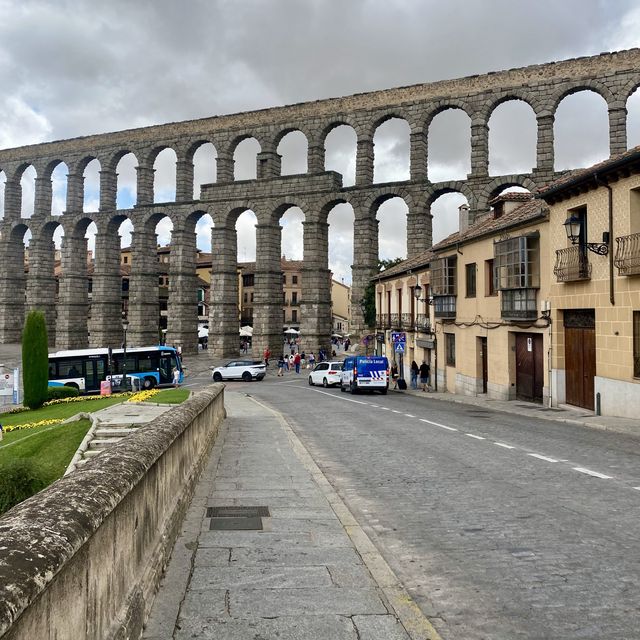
x=85 y=369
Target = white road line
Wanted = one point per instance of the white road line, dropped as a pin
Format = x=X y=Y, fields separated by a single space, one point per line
x=395 y=411
x=501 y=444
x=437 y=424
x=636 y=488
x=473 y=435
x=375 y=406
x=333 y=395
x=545 y=458
x=595 y=474
x=385 y=408
x=408 y=415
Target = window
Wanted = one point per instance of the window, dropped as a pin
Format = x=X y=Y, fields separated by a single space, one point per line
x=470 y=279
x=246 y=297
x=517 y=263
x=125 y=259
x=284 y=278
x=294 y=279
x=443 y=276
x=294 y=316
x=636 y=344
x=248 y=280
x=294 y=297
x=252 y=297
x=489 y=279
x=450 y=349
x=519 y=303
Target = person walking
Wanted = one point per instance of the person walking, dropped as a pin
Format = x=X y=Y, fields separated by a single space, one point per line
x=312 y=360
x=176 y=377
x=280 y=366
x=394 y=374
x=424 y=375
x=415 y=370
x=267 y=355
x=296 y=361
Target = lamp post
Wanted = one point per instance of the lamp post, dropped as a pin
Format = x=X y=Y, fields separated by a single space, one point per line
x=573 y=228
x=124 y=382
x=417 y=292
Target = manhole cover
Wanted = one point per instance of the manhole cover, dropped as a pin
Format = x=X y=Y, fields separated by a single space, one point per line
x=236 y=518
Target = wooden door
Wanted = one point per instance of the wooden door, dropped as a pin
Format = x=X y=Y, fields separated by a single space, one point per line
x=529 y=367
x=580 y=357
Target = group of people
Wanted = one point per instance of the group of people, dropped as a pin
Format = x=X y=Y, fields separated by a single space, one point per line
x=298 y=361
x=421 y=373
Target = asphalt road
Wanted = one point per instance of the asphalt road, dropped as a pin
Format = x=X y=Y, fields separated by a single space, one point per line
x=500 y=527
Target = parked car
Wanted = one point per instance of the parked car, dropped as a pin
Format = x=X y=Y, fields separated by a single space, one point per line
x=326 y=373
x=246 y=370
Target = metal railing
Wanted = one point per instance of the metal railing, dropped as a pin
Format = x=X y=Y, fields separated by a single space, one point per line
x=627 y=257
x=406 y=321
x=423 y=323
x=572 y=264
x=382 y=321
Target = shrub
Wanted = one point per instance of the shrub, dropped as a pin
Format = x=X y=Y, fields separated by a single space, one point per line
x=19 y=480
x=57 y=393
x=35 y=360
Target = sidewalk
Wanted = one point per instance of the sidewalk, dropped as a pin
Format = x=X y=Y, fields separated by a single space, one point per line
x=310 y=573
x=563 y=413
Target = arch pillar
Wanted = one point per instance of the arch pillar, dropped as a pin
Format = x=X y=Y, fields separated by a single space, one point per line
x=73 y=300
x=12 y=200
x=108 y=189
x=617 y=130
x=182 y=310
x=365 y=267
x=75 y=192
x=41 y=282
x=106 y=293
x=315 y=306
x=269 y=164
x=184 y=181
x=144 y=185
x=267 y=305
x=42 y=197
x=419 y=155
x=224 y=168
x=12 y=289
x=315 y=158
x=144 y=309
x=544 y=148
x=479 y=149
x=224 y=322
x=419 y=230
x=364 y=161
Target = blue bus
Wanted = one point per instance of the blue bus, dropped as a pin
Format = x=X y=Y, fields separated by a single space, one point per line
x=85 y=369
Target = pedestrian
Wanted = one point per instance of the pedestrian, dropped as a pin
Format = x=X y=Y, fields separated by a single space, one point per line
x=312 y=361
x=176 y=377
x=267 y=355
x=1 y=432
x=415 y=370
x=394 y=374
x=296 y=362
x=291 y=362
x=285 y=359
x=281 y=366
x=303 y=360
x=424 y=375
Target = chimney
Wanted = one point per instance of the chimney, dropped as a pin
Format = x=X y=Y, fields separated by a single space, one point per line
x=463 y=217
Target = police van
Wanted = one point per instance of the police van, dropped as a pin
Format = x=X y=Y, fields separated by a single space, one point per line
x=365 y=372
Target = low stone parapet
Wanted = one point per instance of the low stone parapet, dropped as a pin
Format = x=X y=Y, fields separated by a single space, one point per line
x=83 y=558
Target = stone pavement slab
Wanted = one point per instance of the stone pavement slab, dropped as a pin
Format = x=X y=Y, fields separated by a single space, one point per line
x=301 y=577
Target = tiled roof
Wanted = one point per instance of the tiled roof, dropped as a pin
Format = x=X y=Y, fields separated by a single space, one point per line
x=512 y=196
x=416 y=262
x=589 y=174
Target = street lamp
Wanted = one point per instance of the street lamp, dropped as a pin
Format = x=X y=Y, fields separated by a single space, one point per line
x=124 y=382
x=573 y=228
x=417 y=292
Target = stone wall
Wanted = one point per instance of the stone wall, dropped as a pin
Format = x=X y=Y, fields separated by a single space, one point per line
x=83 y=558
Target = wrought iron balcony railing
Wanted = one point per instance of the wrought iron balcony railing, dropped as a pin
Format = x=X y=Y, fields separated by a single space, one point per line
x=406 y=321
x=627 y=257
x=423 y=323
x=394 y=321
x=572 y=264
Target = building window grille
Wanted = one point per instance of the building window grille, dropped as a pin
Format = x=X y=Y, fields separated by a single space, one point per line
x=470 y=279
x=443 y=276
x=519 y=303
x=450 y=349
x=517 y=263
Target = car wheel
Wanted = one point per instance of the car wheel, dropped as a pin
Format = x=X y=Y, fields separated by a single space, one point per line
x=217 y=377
x=352 y=388
x=342 y=388
x=325 y=383
x=383 y=391
x=246 y=377
x=310 y=382
x=148 y=383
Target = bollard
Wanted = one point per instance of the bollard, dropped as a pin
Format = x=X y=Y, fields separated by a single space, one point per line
x=598 y=404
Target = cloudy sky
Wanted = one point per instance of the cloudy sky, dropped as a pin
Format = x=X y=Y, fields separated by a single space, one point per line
x=76 y=67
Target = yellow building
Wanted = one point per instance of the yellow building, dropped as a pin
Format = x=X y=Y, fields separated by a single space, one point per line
x=486 y=330
x=340 y=307
x=595 y=289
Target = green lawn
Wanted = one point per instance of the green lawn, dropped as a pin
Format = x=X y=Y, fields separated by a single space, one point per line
x=170 y=396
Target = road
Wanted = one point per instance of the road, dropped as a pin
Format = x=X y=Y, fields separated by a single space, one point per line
x=500 y=527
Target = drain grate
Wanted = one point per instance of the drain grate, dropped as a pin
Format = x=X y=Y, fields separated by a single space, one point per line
x=236 y=518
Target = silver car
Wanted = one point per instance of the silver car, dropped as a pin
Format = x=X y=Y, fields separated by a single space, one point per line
x=246 y=370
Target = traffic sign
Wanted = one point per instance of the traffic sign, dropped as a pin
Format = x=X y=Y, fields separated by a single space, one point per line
x=399 y=347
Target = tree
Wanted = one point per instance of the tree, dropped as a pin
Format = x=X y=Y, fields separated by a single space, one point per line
x=35 y=360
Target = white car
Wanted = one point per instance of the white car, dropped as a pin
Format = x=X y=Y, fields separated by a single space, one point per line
x=326 y=373
x=246 y=370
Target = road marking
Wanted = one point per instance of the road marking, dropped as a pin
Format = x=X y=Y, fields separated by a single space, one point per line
x=394 y=411
x=408 y=415
x=333 y=395
x=437 y=424
x=595 y=474
x=545 y=458
x=375 y=406
x=501 y=444
x=636 y=488
x=473 y=435
x=385 y=408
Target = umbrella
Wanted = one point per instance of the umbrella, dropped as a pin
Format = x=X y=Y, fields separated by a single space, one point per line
x=336 y=335
x=292 y=331
x=247 y=329
x=203 y=332
x=244 y=333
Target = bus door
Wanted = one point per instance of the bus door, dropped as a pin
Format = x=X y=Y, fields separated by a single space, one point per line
x=167 y=362
x=94 y=374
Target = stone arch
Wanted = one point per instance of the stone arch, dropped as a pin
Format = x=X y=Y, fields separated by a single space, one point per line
x=59 y=186
x=522 y=95
x=392 y=149
x=244 y=150
x=629 y=89
x=126 y=187
x=26 y=175
x=90 y=182
x=632 y=107
x=444 y=203
x=499 y=184
x=447 y=104
x=292 y=145
x=448 y=128
x=386 y=210
x=569 y=88
x=340 y=149
x=372 y=203
x=382 y=117
x=202 y=155
x=3 y=182
x=165 y=175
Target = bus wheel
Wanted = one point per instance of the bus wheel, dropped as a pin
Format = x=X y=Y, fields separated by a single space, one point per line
x=73 y=385
x=148 y=383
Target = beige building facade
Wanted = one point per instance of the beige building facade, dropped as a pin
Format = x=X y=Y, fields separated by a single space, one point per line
x=595 y=286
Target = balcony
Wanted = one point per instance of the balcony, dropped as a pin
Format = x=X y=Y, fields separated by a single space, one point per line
x=572 y=264
x=519 y=304
x=444 y=306
x=406 y=322
x=423 y=323
x=382 y=321
x=628 y=255
x=394 y=321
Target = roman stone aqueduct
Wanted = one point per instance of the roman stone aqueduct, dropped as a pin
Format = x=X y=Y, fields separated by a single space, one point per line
x=613 y=76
